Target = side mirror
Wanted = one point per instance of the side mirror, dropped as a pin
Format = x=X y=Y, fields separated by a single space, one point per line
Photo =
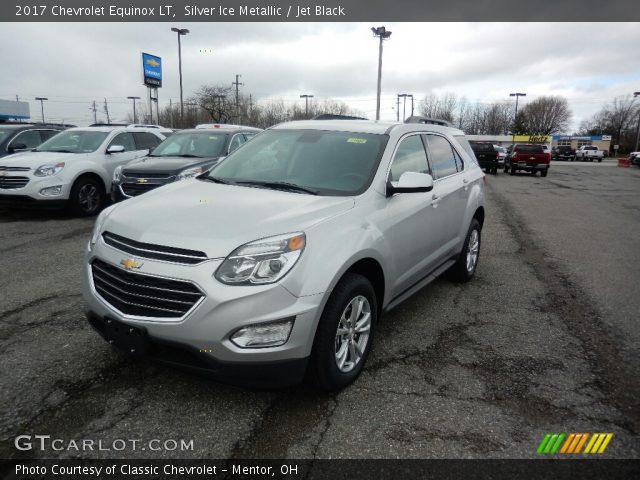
x=411 y=182
x=115 y=149
x=17 y=147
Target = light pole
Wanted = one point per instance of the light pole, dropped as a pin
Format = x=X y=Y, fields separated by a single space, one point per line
x=135 y=118
x=635 y=94
x=404 y=105
x=42 y=99
x=180 y=32
x=383 y=34
x=306 y=103
x=517 y=95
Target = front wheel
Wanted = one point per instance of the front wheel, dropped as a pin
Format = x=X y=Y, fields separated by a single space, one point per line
x=465 y=267
x=344 y=335
x=513 y=171
x=87 y=196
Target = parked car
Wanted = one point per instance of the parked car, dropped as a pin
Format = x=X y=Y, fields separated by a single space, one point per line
x=73 y=168
x=502 y=154
x=487 y=156
x=589 y=153
x=529 y=157
x=564 y=152
x=20 y=137
x=184 y=155
x=634 y=158
x=279 y=261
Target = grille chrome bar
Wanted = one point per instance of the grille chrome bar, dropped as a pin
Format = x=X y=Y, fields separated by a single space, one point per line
x=137 y=294
x=152 y=251
x=4 y=168
x=13 y=182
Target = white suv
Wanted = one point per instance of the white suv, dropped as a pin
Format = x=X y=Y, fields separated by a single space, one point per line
x=73 y=168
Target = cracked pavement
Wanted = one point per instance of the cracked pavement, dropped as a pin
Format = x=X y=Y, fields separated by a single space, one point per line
x=543 y=339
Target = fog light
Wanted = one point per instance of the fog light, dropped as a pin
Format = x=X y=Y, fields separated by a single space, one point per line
x=51 y=191
x=272 y=334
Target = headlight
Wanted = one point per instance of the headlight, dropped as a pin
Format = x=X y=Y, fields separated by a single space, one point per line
x=117 y=175
x=263 y=261
x=49 y=169
x=97 y=227
x=189 y=173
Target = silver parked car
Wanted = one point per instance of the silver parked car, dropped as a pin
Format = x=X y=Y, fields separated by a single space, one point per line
x=279 y=261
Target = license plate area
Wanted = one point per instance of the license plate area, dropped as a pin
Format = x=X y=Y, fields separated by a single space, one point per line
x=129 y=338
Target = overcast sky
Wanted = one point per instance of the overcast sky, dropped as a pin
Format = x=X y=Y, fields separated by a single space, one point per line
x=73 y=64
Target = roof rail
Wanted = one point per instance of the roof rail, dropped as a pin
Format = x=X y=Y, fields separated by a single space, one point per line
x=143 y=125
x=108 y=125
x=427 y=120
x=225 y=126
x=333 y=116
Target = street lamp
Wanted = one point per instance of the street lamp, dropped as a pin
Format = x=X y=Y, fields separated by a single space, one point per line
x=635 y=94
x=306 y=103
x=517 y=95
x=180 y=32
x=42 y=99
x=383 y=34
x=135 y=118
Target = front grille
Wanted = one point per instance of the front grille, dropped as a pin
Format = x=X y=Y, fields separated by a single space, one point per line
x=134 y=184
x=143 y=295
x=4 y=168
x=9 y=183
x=155 y=252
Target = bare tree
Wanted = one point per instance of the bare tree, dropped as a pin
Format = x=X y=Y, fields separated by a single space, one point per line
x=213 y=100
x=547 y=115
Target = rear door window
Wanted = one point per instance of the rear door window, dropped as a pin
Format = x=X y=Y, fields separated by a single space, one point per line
x=443 y=157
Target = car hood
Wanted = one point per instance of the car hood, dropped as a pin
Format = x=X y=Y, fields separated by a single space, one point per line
x=216 y=218
x=165 y=164
x=35 y=159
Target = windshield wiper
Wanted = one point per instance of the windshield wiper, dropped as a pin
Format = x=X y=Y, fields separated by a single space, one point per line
x=281 y=186
x=210 y=178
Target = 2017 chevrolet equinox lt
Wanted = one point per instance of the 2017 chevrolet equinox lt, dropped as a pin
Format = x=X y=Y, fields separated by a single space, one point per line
x=279 y=261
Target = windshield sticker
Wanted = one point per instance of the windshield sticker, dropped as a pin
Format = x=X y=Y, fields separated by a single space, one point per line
x=356 y=140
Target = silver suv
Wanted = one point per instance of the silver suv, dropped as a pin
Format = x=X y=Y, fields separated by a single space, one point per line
x=279 y=261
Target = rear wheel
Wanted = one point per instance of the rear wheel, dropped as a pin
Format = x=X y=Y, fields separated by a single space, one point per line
x=513 y=170
x=87 y=196
x=543 y=173
x=345 y=334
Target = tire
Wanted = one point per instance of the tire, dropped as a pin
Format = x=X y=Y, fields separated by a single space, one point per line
x=506 y=168
x=494 y=170
x=513 y=170
x=599 y=160
x=543 y=173
x=466 y=264
x=324 y=370
x=87 y=196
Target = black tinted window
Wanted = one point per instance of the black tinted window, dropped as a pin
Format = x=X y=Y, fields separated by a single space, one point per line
x=146 y=140
x=443 y=159
x=30 y=139
x=47 y=134
x=410 y=157
x=529 y=148
x=482 y=147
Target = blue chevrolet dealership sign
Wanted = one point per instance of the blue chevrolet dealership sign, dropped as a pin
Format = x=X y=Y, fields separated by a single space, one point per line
x=151 y=70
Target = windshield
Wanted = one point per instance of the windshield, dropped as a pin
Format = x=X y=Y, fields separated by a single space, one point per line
x=5 y=132
x=195 y=144
x=74 y=141
x=325 y=162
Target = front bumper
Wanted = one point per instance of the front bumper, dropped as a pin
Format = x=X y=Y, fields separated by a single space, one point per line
x=30 y=194
x=206 y=329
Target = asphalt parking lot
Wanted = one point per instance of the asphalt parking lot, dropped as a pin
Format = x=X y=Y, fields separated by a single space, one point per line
x=545 y=339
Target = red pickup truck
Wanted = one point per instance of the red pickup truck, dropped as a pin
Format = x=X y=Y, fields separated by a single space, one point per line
x=529 y=157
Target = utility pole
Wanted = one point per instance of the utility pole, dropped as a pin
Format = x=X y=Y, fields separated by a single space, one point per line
x=42 y=99
x=106 y=111
x=95 y=110
x=383 y=34
x=397 y=107
x=135 y=118
x=635 y=94
x=170 y=113
x=237 y=84
x=411 y=95
x=306 y=104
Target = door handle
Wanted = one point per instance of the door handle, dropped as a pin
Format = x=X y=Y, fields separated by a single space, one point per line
x=465 y=181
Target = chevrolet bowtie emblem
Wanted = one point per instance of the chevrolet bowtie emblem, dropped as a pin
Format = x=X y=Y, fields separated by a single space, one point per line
x=130 y=263
x=141 y=180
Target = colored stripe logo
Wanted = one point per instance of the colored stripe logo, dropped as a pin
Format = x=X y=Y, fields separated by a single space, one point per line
x=574 y=443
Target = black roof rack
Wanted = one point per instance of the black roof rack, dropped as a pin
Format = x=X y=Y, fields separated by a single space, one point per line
x=109 y=125
x=427 y=120
x=333 y=116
